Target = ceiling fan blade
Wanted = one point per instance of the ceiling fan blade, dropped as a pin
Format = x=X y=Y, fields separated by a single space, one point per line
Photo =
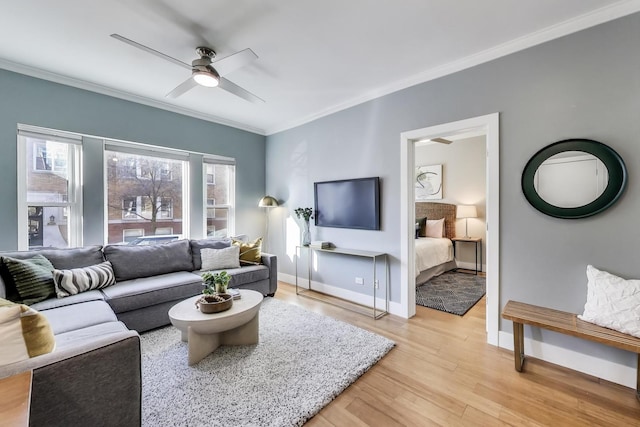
x=233 y=62
x=238 y=91
x=182 y=88
x=151 y=51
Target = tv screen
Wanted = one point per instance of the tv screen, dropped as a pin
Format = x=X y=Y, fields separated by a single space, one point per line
x=349 y=203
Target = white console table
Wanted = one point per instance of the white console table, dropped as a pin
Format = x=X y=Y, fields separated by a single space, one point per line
x=377 y=313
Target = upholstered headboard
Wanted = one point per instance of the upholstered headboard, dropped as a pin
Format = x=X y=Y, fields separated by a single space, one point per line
x=433 y=210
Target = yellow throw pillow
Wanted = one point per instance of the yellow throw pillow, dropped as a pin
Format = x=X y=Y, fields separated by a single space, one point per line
x=24 y=333
x=250 y=252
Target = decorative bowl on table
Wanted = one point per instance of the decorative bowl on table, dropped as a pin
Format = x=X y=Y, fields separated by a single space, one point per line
x=214 y=303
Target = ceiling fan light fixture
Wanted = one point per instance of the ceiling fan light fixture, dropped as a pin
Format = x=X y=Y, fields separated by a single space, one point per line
x=206 y=79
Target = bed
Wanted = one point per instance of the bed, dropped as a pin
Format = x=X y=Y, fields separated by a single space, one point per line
x=433 y=255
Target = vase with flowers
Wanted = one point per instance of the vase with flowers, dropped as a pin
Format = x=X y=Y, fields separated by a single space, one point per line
x=306 y=214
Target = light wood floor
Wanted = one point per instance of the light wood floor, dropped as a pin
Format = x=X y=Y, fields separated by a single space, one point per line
x=442 y=372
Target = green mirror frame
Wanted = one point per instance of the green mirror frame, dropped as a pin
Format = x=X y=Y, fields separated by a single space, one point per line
x=613 y=191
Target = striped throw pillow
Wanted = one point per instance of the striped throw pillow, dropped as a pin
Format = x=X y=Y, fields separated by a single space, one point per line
x=76 y=280
x=24 y=333
x=32 y=278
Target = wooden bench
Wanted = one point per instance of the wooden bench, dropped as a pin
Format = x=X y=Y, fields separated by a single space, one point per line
x=564 y=323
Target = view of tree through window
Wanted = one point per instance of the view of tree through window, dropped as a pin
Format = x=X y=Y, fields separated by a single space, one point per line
x=145 y=196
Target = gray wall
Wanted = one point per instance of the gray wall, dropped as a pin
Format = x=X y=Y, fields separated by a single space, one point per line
x=37 y=102
x=464 y=171
x=583 y=85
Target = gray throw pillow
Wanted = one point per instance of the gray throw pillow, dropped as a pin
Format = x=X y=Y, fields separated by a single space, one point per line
x=76 y=280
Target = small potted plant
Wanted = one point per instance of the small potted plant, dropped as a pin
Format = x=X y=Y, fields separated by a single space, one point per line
x=214 y=298
x=215 y=283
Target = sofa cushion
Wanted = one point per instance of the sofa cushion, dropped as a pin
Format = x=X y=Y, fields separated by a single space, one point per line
x=217 y=259
x=77 y=316
x=132 y=262
x=32 y=278
x=198 y=245
x=64 y=258
x=246 y=274
x=73 y=299
x=147 y=291
x=250 y=252
x=77 y=280
x=61 y=258
x=71 y=338
x=24 y=333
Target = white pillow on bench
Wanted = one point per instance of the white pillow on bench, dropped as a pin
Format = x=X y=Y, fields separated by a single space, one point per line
x=612 y=302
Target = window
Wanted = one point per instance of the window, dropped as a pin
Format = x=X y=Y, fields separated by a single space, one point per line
x=130 y=234
x=219 y=197
x=49 y=189
x=145 y=191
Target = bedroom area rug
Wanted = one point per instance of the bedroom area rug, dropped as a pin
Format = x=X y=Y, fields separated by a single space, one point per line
x=451 y=292
x=301 y=363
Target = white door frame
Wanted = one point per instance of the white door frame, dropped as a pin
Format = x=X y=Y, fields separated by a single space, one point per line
x=489 y=124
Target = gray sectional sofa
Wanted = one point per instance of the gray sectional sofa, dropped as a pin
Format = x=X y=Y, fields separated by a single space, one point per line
x=93 y=377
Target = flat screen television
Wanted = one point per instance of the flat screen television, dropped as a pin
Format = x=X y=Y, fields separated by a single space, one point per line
x=348 y=203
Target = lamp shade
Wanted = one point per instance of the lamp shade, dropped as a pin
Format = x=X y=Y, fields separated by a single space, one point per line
x=466 y=211
x=268 y=202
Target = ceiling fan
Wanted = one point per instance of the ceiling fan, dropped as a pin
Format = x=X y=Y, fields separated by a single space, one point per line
x=204 y=71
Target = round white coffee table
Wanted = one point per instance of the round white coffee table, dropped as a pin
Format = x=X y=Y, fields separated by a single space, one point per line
x=206 y=332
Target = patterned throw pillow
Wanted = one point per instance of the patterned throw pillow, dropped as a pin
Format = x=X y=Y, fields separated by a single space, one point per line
x=250 y=252
x=76 y=280
x=32 y=278
x=217 y=259
x=24 y=333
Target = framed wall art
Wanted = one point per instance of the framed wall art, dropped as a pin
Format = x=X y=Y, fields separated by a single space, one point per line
x=428 y=184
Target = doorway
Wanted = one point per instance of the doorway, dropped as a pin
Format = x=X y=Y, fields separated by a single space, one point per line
x=489 y=126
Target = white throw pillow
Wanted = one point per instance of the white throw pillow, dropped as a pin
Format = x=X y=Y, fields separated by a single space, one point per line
x=434 y=228
x=217 y=259
x=612 y=302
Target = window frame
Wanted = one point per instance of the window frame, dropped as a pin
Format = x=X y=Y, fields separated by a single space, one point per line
x=73 y=205
x=231 y=197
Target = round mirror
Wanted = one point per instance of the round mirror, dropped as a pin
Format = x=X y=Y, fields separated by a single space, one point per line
x=574 y=178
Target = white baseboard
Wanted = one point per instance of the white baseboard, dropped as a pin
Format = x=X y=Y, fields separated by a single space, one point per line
x=470 y=265
x=355 y=297
x=600 y=368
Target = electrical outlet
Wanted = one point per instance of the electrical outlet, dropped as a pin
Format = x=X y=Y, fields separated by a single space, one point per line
x=359 y=281
x=376 y=284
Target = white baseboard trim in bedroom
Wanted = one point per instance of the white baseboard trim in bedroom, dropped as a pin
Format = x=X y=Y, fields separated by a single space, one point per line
x=470 y=265
x=345 y=294
x=600 y=368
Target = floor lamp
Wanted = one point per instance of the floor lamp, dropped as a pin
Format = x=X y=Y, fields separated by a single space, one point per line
x=466 y=212
x=267 y=202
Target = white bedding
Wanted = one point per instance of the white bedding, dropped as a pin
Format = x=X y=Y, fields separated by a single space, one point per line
x=431 y=251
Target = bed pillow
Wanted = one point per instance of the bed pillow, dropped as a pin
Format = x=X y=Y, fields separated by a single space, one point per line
x=434 y=228
x=612 y=302
x=218 y=259
x=24 y=333
x=32 y=278
x=250 y=252
x=421 y=225
x=77 y=280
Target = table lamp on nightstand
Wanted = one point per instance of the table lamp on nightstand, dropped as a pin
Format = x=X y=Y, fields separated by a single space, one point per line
x=466 y=212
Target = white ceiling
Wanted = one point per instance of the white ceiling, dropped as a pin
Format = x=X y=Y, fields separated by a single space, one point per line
x=315 y=57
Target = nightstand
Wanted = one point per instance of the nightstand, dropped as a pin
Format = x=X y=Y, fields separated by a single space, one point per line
x=478 y=243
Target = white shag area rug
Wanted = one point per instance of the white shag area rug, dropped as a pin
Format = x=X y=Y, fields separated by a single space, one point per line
x=302 y=362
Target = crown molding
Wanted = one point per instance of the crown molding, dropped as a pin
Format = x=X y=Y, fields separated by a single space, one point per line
x=103 y=90
x=587 y=20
